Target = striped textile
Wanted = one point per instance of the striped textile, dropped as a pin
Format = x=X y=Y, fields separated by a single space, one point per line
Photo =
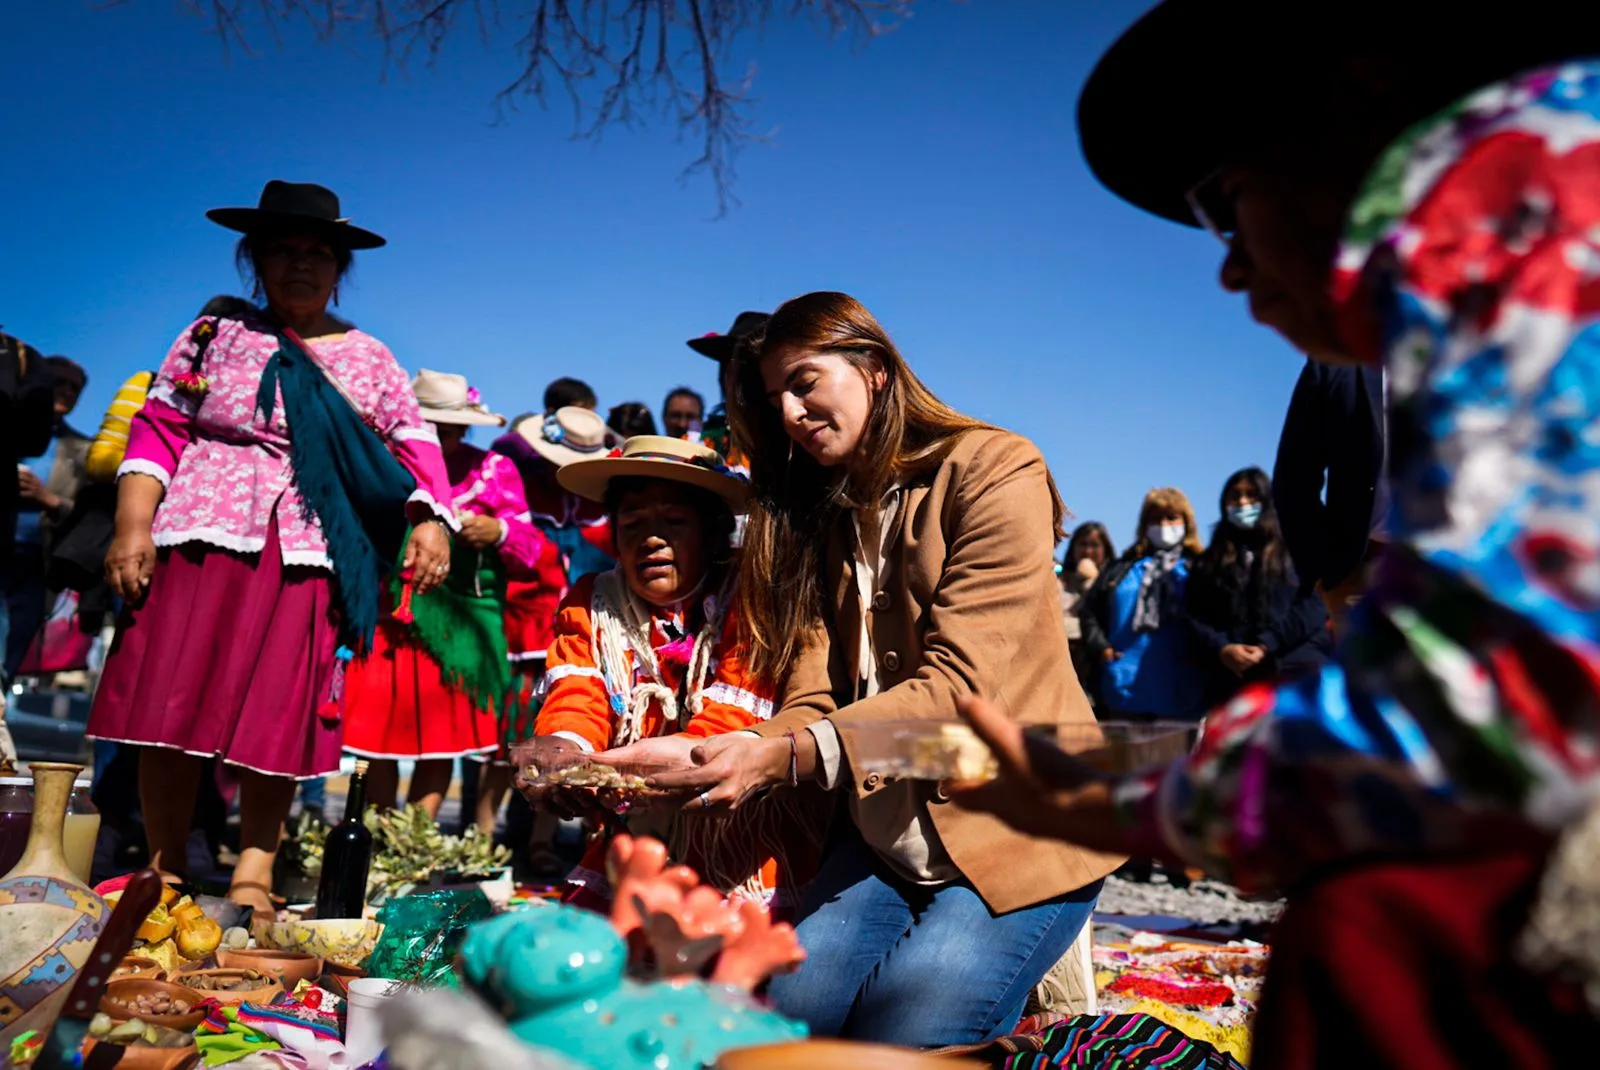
x=1101 y=1042
x=105 y=453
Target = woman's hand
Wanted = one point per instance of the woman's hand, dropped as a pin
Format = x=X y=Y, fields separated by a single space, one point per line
x=131 y=558
x=661 y=752
x=479 y=532
x=130 y=562
x=427 y=556
x=728 y=770
x=1239 y=659
x=1041 y=790
x=544 y=753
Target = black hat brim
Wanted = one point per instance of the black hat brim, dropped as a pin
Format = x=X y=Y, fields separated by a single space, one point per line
x=719 y=347
x=1195 y=84
x=253 y=220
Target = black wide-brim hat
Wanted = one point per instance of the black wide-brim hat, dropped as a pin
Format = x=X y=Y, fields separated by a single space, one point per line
x=1196 y=84
x=303 y=207
x=720 y=347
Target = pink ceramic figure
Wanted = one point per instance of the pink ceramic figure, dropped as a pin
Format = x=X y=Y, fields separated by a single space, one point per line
x=687 y=923
x=761 y=949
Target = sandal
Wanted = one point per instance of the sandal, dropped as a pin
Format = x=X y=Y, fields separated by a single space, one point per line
x=258 y=913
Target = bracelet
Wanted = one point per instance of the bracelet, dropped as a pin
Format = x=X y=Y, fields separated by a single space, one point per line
x=794 y=760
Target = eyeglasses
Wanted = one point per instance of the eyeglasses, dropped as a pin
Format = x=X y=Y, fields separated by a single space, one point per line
x=1212 y=208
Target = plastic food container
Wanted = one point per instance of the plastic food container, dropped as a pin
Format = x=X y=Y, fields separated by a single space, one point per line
x=1123 y=746
x=950 y=750
x=921 y=750
x=77 y=835
x=577 y=772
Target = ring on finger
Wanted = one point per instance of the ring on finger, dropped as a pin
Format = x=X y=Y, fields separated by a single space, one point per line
x=705 y=800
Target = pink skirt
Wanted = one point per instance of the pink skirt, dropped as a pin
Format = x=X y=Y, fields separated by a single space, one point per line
x=230 y=655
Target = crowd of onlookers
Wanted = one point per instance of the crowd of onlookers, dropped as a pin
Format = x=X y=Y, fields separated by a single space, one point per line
x=1172 y=627
x=1163 y=630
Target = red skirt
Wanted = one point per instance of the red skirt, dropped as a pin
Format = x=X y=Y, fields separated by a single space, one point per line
x=230 y=655
x=397 y=706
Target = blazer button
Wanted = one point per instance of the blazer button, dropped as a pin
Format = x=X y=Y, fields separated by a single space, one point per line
x=872 y=782
x=891 y=661
x=880 y=601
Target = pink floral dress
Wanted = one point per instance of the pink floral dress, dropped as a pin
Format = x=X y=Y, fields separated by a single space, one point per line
x=232 y=651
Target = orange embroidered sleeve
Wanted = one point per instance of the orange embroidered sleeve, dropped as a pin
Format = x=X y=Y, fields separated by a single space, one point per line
x=575 y=705
x=735 y=699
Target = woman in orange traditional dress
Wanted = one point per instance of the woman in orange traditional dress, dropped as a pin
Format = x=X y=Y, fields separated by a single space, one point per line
x=650 y=656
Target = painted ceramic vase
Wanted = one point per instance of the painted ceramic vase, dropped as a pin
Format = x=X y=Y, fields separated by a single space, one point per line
x=49 y=920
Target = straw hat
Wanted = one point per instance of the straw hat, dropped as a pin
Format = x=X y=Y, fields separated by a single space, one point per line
x=447 y=399
x=569 y=434
x=657 y=457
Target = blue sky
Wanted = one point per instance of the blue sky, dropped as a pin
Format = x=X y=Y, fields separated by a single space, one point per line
x=934 y=173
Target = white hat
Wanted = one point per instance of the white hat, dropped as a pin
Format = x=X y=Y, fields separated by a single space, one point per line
x=657 y=457
x=571 y=433
x=447 y=399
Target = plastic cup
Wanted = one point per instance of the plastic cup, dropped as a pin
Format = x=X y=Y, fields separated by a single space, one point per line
x=363 y=1030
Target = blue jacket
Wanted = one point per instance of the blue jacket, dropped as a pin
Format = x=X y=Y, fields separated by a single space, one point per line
x=1156 y=673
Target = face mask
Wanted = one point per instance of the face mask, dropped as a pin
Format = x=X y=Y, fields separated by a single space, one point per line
x=1165 y=536
x=1244 y=516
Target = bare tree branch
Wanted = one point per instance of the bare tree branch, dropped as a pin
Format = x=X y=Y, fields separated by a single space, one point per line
x=617 y=61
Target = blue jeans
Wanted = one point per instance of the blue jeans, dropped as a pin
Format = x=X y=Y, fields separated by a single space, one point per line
x=899 y=963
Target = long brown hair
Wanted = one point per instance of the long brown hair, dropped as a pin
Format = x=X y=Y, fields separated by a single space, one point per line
x=795 y=501
x=1159 y=502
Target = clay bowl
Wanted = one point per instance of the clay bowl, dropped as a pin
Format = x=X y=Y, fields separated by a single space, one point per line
x=265 y=993
x=115 y=1003
x=291 y=967
x=139 y=968
x=97 y=1054
x=836 y=1055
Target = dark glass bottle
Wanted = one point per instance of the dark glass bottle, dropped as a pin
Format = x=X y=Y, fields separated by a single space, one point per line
x=346 y=857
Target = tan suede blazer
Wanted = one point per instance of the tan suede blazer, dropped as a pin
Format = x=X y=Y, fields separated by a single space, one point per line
x=967 y=603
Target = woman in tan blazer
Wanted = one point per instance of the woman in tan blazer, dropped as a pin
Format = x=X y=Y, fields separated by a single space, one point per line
x=898 y=558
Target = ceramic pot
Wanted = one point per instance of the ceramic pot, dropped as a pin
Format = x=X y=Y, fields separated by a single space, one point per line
x=49 y=920
x=117 y=1003
x=139 y=968
x=266 y=990
x=291 y=967
x=97 y=1054
x=836 y=1055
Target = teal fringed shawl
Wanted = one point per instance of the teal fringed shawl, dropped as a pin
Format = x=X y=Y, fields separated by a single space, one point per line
x=347 y=479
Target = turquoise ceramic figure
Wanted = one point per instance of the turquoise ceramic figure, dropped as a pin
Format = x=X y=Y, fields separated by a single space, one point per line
x=557 y=975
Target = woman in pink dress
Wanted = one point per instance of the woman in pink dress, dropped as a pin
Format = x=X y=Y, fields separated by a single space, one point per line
x=402 y=701
x=266 y=490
